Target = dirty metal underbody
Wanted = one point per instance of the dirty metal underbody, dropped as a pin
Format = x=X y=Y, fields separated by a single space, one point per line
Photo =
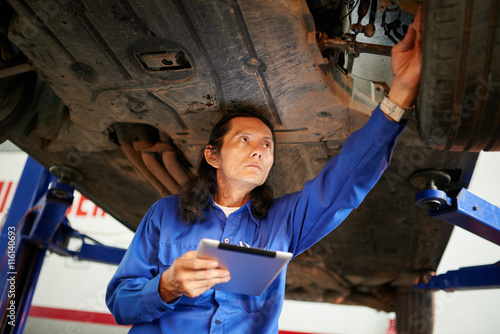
x=129 y=90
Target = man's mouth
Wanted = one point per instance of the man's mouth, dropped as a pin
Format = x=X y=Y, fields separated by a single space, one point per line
x=254 y=166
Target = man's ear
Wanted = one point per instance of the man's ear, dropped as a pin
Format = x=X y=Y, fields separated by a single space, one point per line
x=211 y=156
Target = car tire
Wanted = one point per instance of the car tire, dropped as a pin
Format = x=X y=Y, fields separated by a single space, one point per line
x=16 y=94
x=458 y=105
x=414 y=311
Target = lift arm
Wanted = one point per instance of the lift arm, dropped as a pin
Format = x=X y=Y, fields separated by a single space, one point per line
x=467 y=278
x=467 y=210
x=477 y=216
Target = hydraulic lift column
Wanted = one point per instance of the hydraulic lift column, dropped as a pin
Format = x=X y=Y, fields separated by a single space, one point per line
x=37 y=222
x=33 y=218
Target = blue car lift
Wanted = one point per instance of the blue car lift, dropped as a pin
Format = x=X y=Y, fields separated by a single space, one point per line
x=467 y=211
x=36 y=223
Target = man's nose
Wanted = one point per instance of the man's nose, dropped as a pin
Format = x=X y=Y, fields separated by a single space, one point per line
x=257 y=151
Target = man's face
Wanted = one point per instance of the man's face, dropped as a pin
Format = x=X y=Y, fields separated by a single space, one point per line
x=246 y=155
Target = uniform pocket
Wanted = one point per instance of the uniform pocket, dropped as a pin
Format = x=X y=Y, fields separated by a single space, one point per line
x=251 y=304
x=167 y=254
x=264 y=303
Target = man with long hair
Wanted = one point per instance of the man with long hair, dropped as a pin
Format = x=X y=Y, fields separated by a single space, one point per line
x=162 y=287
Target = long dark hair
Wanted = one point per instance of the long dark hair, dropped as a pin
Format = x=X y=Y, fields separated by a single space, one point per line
x=196 y=192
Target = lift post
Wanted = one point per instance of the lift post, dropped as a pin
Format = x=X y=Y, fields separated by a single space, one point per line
x=35 y=223
x=21 y=260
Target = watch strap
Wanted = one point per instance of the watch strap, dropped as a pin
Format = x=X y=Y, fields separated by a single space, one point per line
x=394 y=111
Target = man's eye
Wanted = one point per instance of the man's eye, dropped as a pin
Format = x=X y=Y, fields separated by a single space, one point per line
x=267 y=145
x=244 y=139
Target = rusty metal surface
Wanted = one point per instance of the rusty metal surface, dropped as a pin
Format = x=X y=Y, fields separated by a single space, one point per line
x=117 y=78
x=354 y=47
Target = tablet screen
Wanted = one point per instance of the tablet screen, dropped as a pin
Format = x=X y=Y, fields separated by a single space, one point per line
x=252 y=269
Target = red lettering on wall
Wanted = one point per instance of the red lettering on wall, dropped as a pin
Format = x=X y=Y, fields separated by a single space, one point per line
x=83 y=207
x=79 y=209
x=1 y=187
x=6 y=195
x=96 y=209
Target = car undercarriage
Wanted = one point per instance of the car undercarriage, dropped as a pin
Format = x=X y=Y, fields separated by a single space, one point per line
x=125 y=93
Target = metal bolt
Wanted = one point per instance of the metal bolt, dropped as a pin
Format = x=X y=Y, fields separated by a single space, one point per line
x=323 y=114
x=431 y=204
x=476 y=208
x=60 y=193
x=431 y=184
x=196 y=106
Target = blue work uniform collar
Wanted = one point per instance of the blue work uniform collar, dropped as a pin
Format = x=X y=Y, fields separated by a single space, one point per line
x=246 y=206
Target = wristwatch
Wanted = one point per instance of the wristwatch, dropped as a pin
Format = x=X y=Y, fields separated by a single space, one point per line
x=393 y=111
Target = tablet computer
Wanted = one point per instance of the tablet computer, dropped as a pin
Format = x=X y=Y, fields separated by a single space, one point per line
x=252 y=269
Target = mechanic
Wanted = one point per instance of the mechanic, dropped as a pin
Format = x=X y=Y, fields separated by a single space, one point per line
x=162 y=287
